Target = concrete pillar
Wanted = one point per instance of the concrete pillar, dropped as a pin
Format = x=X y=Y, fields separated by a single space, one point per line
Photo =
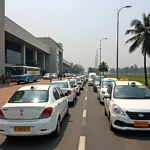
x=35 y=55
x=47 y=62
x=23 y=54
x=2 y=37
x=43 y=61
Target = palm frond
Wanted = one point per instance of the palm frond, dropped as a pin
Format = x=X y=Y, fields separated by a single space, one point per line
x=135 y=45
x=133 y=38
x=137 y=24
x=132 y=31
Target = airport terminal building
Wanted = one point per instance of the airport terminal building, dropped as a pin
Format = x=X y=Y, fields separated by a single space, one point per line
x=18 y=46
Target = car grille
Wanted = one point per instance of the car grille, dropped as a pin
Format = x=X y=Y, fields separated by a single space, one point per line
x=138 y=115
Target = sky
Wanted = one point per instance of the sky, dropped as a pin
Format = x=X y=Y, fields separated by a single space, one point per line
x=80 y=24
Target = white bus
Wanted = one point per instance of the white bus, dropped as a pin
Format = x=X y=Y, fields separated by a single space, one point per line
x=25 y=74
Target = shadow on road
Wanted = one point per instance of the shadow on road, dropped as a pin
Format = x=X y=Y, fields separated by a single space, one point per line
x=38 y=142
x=137 y=135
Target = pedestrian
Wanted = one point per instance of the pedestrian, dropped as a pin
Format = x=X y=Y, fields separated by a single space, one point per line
x=7 y=80
x=3 y=79
x=64 y=76
x=58 y=76
x=50 y=78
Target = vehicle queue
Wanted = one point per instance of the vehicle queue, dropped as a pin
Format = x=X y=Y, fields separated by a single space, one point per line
x=40 y=109
x=126 y=103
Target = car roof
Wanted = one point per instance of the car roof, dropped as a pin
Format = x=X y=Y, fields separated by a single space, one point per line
x=60 y=81
x=127 y=83
x=109 y=79
x=37 y=87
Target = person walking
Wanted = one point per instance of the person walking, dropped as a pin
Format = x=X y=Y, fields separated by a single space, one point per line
x=3 y=79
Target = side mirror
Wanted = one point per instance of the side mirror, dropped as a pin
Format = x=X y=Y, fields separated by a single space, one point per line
x=66 y=94
x=74 y=85
x=107 y=96
x=62 y=95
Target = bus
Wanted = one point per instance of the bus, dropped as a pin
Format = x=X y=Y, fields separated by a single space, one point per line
x=25 y=74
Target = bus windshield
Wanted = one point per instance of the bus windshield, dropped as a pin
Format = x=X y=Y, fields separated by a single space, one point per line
x=17 y=71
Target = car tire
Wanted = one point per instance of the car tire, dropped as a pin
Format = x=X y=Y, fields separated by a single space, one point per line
x=72 y=103
x=56 y=133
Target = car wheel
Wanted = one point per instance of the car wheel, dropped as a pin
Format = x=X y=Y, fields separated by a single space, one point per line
x=57 y=130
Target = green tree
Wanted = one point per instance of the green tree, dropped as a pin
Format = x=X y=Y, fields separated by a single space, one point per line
x=103 y=67
x=141 y=38
x=77 y=69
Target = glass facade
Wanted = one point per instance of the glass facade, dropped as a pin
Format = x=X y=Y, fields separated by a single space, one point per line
x=12 y=53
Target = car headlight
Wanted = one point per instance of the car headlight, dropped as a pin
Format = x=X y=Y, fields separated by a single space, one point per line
x=117 y=110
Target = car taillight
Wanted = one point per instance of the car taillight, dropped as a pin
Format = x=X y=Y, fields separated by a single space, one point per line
x=69 y=92
x=46 y=113
x=2 y=115
x=77 y=89
x=79 y=82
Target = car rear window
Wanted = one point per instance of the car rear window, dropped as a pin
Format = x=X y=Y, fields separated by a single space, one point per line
x=73 y=82
x=29 y=96
x=60 y=84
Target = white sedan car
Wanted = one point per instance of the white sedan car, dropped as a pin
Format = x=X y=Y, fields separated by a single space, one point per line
x=68 y=88
x=77 y=87
x=127 y=105
x=34 y=110
x=102 y=89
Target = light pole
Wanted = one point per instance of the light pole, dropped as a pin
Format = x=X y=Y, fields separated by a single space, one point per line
x=118 y=12
x=100 y=52
x=96 y=59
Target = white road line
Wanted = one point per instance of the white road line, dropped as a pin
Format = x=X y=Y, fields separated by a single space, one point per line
x=86 y=90
x=83 y=122
x=84 y=114
x=82 y=143
x=85 y=98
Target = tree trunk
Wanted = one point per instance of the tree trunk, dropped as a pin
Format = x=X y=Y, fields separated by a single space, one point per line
x=145 y=69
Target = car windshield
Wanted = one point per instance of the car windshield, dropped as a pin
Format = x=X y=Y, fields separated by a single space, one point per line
x=73 y=82
x=131 y=92
x=60 y=84
x=29 y=96
x=17 y=71
x=97 y=79
x=78 y=79
x=105 y=84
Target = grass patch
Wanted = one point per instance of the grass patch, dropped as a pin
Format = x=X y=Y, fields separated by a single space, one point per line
x=138 y=78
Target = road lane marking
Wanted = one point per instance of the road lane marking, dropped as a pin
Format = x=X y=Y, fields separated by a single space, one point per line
x=84 y=113
x=85 y=98
x=82 y=143
x=83 y=122
x=86 y=90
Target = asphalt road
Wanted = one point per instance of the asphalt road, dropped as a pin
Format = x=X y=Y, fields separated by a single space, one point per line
x=85 y=129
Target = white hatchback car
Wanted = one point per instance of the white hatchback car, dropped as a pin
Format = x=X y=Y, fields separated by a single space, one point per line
x=127 y=105
x=101 y=90
x=68 y=88
x=34 y=110
x=80 y=83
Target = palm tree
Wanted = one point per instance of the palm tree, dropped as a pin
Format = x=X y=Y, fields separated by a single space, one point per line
x=141 y=38
x=103 y=67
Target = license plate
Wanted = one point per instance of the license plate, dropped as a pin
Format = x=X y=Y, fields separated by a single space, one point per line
x=22 y=129
x=141 y=124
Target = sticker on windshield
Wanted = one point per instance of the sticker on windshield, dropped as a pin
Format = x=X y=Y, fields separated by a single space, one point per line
x=141 y=86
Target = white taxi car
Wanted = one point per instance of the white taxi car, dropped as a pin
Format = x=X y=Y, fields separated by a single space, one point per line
x=101 y=90
x=34 y=110
x=77 y=87
x=68 y=88
x=127 y=105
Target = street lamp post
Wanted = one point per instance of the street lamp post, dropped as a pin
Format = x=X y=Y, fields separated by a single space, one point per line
x=100 y=52
x=96 y=59
x=118 y=12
